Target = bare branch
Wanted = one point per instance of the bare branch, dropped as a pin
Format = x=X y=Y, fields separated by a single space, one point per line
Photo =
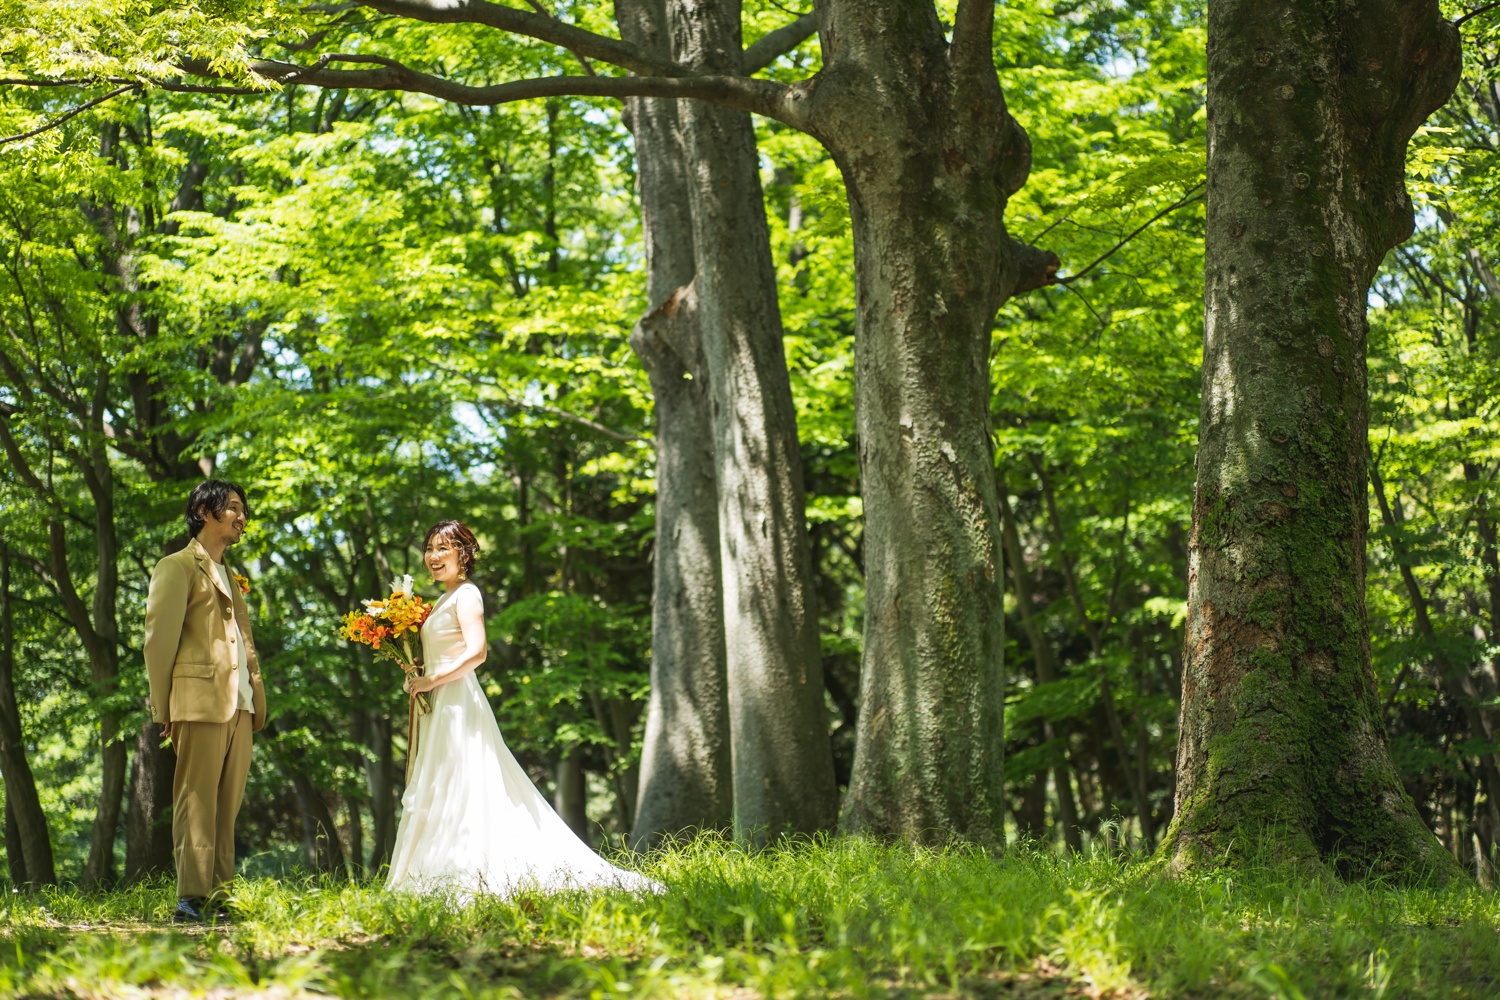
x=772 y=46
x=542 y=28
x=1476 y=12
x=61 y=119
x=1193 y=195
x=763 y=97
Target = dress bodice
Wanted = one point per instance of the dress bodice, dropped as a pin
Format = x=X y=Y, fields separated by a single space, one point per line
x=442 y=636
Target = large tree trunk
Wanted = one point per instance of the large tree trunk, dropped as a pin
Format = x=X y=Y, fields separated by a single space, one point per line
x=1282 y=748
x=929 y=154
x=686 y=781
x=27 y=842
x=781 y=756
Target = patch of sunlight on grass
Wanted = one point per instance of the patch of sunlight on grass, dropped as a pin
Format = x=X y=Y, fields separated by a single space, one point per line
x=836 y=917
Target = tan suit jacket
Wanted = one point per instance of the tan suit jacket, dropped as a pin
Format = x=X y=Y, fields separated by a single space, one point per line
x=189 y=659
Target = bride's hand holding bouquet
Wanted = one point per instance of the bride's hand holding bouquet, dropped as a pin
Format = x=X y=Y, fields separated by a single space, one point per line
x=387 y=626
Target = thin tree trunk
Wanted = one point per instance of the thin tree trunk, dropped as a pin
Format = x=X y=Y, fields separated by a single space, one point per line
x=569 y=797
x=1046 y=673
x=320 y=834
x=380 y=775
x=148 y=820
x=1282 y=747
x=100 y=634
x=356 y=852
x=15 y=851
x=1459 y=683
x=782 y=760
x=1135 y=778
x=685 y=778
x=27 y=841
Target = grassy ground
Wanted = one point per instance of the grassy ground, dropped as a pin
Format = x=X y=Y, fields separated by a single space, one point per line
x=844 y=918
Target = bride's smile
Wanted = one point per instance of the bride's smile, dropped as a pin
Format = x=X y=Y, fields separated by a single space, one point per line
x=442 y=563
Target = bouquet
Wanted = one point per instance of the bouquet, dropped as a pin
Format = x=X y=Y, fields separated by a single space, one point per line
x=387 y=627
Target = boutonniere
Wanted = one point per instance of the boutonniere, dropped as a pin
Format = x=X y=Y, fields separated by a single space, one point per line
x=243 y=582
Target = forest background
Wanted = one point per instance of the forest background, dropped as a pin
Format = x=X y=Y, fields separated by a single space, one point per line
x=376 y=310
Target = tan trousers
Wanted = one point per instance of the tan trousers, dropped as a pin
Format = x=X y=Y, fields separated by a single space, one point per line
x=213 y=759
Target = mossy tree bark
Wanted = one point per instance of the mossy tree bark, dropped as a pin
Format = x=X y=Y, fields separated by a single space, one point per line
x=1282 y=750
x=930 y=155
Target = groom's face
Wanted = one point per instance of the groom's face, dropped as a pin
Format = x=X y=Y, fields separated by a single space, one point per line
x=228 y=526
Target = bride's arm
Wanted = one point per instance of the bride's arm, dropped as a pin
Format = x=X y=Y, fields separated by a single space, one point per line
x=470 y=608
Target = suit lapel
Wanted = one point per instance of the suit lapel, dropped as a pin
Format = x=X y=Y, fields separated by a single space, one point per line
x=200 y=554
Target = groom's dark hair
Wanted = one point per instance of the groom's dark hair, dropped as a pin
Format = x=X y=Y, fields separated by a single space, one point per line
x=213 y=494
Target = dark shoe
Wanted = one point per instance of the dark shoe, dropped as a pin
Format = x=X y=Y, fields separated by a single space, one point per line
x=189 y=911
x=222 y=917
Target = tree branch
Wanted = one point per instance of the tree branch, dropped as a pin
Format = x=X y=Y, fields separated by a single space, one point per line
x=974 y=33
x=762 y=97
x=1035 y=268
x=1476 y=12
x=171 y=85
x=1485 y=273
x=63 y=118
x=542 y=28
x=772 y=46
x=1187 y=199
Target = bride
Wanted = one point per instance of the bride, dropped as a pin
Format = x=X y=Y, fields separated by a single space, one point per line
x=472 y=822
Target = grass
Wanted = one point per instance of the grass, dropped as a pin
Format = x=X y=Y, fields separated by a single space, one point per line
x=845 y=918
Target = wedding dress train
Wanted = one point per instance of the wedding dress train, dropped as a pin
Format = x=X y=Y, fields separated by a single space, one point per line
x=472 y=822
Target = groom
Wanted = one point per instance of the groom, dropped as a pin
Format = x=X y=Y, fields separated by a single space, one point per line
x=206 y=692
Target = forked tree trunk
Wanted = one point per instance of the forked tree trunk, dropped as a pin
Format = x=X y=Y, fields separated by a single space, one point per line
x=1282 y=748
x=686 y=781
x=929 y=155
x=781 y=755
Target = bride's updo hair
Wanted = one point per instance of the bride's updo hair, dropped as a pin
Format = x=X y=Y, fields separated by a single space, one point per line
x=457 y=536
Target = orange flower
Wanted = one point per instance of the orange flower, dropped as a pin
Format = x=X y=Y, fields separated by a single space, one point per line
x=383 y=626
x=243 y=581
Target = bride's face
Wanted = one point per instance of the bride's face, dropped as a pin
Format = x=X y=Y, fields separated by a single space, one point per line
x=442 y=561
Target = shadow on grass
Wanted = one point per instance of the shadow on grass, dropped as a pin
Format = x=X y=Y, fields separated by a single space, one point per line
x=842 y=917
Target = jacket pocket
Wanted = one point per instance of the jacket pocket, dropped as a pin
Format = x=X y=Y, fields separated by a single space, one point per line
x=192 y=669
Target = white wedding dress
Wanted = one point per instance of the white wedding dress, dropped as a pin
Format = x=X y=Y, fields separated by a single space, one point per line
x=472 y=822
